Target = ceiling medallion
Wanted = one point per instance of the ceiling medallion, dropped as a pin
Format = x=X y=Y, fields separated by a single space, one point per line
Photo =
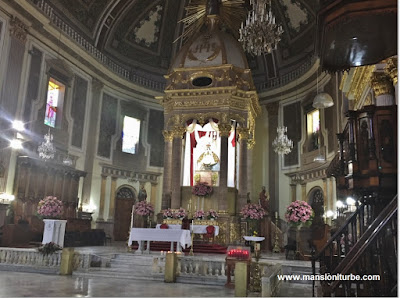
x=282 y=145
x=260 y=34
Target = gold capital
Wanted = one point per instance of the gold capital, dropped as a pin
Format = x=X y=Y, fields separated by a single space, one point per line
x=391 y=69
x=168 y=135
x=178 y=131
x=224 y=129
x=243 y=133
x=381 y=84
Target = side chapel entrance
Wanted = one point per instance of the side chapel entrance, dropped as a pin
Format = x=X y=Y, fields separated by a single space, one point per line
x=124 y=201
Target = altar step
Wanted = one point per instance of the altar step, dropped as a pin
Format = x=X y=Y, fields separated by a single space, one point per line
x=122 y=266
x=198 y=247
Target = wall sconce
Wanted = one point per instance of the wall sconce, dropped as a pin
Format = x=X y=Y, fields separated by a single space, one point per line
x=6 y=198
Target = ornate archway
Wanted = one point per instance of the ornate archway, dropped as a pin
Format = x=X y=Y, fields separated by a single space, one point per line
x=125 y=198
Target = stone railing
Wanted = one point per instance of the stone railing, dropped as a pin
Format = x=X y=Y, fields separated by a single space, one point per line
x=81 y=261
x=270 y=284
x=29 y=257
x=194 y=268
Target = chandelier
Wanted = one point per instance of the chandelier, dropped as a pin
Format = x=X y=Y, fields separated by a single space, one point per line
x=282 y=144
x=260 y=34
x=47 y=150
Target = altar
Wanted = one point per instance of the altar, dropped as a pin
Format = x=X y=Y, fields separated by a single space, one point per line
x=182 y=237
x=197 y=229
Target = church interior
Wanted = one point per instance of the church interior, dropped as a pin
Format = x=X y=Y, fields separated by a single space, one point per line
x=260 y=133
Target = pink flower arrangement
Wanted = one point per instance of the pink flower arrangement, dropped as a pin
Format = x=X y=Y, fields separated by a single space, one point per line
x=50 y=207
x=212 y=214
x=299 y=212
x=199 y=214
x=202 y=189
x=180 y=213
x=168 y=213
x=252 y=211
x=144 y=208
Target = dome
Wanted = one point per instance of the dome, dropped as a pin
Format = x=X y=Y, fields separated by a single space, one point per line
x=210 y=48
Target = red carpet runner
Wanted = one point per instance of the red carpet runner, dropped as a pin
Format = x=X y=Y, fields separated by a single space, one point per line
x=207 y=248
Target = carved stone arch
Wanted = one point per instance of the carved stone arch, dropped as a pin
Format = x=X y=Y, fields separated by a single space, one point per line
x=123 y=191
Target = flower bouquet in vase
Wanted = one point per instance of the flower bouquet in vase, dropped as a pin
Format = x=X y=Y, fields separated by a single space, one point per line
x=253 y=213
x=212 y=214
x=180 y=213
x=299 y=213
x=168 y=213
x=50 y=208
x=199 y=214
x=142 y=211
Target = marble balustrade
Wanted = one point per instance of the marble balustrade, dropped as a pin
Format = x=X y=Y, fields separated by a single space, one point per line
x=29 y=257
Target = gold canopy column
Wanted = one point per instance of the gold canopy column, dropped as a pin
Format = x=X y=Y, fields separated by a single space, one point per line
x=176 y=167
x=383 y=89
x=224 y=130
x=166 y=195
x=243 y=137
x=391 y=70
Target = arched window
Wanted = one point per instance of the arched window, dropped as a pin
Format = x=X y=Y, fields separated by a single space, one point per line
x=125 y=193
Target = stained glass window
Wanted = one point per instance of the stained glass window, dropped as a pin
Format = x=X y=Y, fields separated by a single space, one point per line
x=130 y=135
x=55 y=93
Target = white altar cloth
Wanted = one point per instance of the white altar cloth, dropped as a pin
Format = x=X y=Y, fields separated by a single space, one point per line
x=182 y=237
x=54 y=231
x=197 y=229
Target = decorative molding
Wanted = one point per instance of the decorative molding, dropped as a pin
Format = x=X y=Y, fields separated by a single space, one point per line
x=381 y=83
x=244 y=133
x=391 y=69
x=142 y=176
x=359 y=81
x=18 y=29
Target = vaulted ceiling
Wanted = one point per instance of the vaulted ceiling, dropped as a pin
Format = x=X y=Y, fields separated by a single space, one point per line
x=140 y=34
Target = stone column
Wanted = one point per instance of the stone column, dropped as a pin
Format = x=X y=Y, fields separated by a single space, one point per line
x=176 y=167
x=250 y=147
x=383 y=89
x=224 y=130
x=111 y=209
x=166 y=193
x=97 y=87
x=391 y=71
x=102 y=198
x=273 y=164
x=325 y=190
x=242 y=199
x=153 y=194
x=293 y=191
x=9 y=99
x=303 y=192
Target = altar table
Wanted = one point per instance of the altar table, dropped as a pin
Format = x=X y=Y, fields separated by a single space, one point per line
x=182 y=237
x=197 y=229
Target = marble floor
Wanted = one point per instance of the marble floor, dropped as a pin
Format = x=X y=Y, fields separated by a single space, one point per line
x=20 y=284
